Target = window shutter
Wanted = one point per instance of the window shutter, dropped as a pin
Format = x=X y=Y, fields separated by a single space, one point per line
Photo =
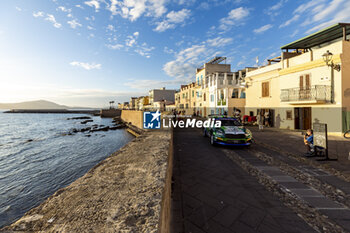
x=307 y=82
x=301 y=82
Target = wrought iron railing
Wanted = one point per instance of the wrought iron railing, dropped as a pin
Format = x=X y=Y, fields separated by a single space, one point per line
x=317 y=92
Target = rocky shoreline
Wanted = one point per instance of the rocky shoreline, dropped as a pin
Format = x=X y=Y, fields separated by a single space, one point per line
x=123 y=193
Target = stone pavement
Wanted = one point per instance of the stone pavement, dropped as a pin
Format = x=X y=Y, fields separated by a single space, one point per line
x=292 y=142
x=213 y=194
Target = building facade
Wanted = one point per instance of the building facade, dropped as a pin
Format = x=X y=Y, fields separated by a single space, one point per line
x=310 y=84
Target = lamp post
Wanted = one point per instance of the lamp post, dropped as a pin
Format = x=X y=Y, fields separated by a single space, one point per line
x=327 y=58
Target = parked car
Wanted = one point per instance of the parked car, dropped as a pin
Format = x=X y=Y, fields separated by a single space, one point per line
x=231 y=132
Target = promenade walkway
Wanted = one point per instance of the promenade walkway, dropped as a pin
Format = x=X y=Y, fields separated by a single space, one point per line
x=292 y=142
x=213 y=194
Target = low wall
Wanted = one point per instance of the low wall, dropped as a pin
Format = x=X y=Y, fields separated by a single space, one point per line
x=110 y=112
x=134 y=117
x=127 y=192
x=165 y=216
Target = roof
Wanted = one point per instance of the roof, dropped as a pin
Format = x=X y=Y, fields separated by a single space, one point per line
x=325 y=35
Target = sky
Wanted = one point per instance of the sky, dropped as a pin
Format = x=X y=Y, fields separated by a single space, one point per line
x=89 y=52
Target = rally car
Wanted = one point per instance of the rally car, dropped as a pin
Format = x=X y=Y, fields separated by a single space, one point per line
x=231 y=132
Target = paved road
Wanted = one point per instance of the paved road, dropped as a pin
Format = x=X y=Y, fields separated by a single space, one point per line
x=213 y=194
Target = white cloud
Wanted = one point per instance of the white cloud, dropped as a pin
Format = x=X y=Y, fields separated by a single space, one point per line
x=188 y=59
x=115 y=46
x=110 y=28
x=133 y=9
x=219 y=41
x=90 y=28
x=262 y=29
x=18 y=8
x=278 y=5
x=179 y=16
x=306 y=6
x=293 y=19
x=329 y=9
x=86 y=66
x=318 y=14
x=168 y=50
x=79 y=6
x=163 y=26
x=132 y=39
x=93 y=3
x=63 y=9
x=49 y=18
x=38 y=14
x=234 y=17
x=52 y=19
x=74 y=23
x=275 y=9
x=340 y=15
x=173 y=18
x=144 y=50
x=185 y=62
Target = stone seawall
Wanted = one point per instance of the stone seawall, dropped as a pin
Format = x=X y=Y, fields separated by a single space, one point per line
x=127 y=192
x=133 y=117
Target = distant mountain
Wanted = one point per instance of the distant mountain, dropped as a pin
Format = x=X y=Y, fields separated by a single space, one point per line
x=38 y=104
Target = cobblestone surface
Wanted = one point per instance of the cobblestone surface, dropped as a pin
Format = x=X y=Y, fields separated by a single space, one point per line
x=291 y=144
x=213 y=194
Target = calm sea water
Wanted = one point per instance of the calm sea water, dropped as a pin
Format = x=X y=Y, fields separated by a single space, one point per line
x=31 y=171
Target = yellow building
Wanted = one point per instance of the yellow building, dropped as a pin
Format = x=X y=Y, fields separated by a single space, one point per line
x=216 y=90
x=263 y=92
x=311 y=82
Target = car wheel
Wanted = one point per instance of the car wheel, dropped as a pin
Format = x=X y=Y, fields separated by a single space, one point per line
x=212 y=140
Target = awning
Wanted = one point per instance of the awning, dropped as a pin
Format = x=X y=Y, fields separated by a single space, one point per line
x=328 y=34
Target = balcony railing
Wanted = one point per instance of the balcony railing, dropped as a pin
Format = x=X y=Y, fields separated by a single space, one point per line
x=317 y=93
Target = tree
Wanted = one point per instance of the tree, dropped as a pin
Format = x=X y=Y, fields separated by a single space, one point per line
x=111 y=104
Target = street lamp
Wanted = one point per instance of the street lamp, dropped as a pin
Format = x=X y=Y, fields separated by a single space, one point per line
x=327 y=58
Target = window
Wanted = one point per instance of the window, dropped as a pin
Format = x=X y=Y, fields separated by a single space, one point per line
x=204 y=99
x=242 y=95
x=186 y=106
x=183 y=95
x=304 y=82
x=289 y=115
x=212 y=98
x=192 y=93
x=235 y=93
x=265 y=92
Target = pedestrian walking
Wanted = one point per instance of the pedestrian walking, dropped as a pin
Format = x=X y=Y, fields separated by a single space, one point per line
x=267 y=118
x=260 y=120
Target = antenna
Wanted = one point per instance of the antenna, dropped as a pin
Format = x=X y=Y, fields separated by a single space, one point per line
x=257 y=61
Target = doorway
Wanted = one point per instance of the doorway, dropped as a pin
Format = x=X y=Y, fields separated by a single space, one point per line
x=302 y=118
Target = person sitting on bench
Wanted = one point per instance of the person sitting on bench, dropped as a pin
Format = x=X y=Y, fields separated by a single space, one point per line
x=309 y=142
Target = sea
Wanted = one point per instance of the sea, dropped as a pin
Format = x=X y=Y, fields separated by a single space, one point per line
x=38 y=156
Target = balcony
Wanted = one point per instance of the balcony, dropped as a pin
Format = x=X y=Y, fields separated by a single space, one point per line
x=221 y=102
x=313 y=95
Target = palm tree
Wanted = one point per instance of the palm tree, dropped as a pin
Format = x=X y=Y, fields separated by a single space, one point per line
x=111 y=104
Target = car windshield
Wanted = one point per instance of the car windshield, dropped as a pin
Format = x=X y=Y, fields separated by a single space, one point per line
x=231 y=122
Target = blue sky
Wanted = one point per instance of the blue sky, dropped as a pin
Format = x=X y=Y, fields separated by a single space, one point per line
x=88 y=52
